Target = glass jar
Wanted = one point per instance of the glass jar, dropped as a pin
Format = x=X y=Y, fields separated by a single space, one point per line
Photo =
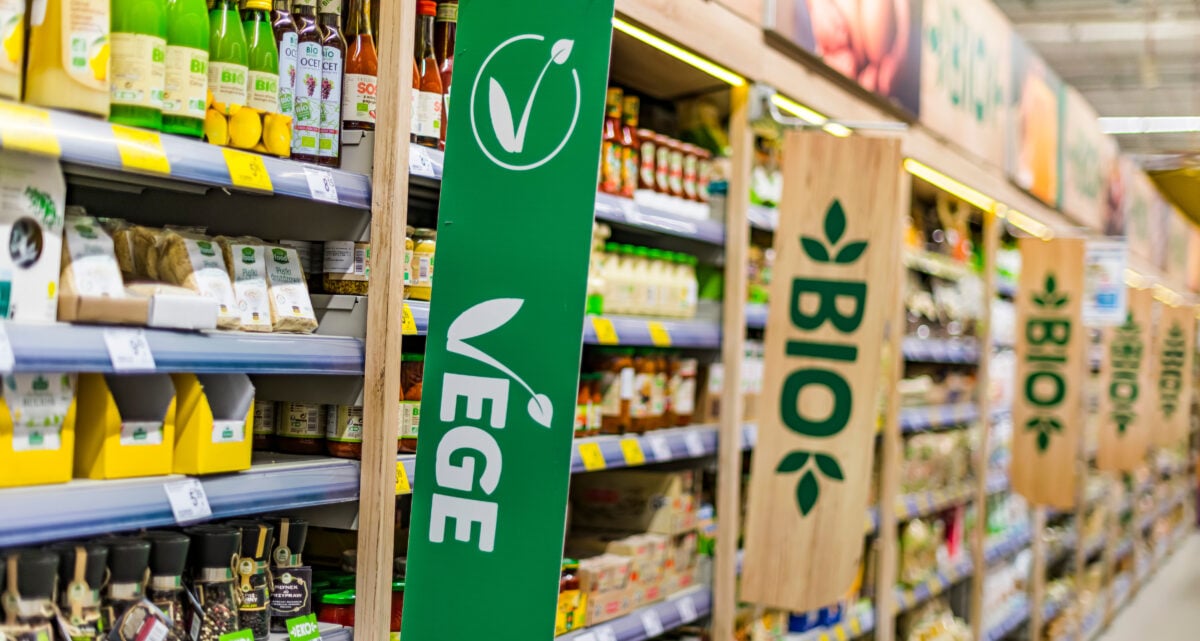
x=647 y=158
x=691 y=160
x=616 y=389
x=412 y=376
x=397 y=607
x=253 y=589
x=300 y=428
x=344 y=431
x=424 y=247
x=675 y=175
x=168 y=557
x=683 y=391
x=81 y=571
x=409 y=246
x=337 y=608
x=347 y=267
x=645 y=367
x=128 y=560
x=34 y=573
x=595 y=414
x=662 y=164
x=213 y=549
x=704 y=166
x=264 y=424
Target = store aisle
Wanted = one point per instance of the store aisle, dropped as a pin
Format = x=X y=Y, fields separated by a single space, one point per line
x=1168 y=609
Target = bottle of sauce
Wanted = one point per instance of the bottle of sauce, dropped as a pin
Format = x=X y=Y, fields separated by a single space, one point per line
x=362 y=69
x=306 y=128
x=683 y=391
x=643 y=391
x=617 y=390
x=412 y=377
x=675 y=177
x=333 y=60
x=610 y=144
x=185 y=91
x=445 y=30
x=583 y=402
x=427 y=127
x=629 y=146
x=662 y=164
x=139 y=62
x=286 y=41
x=227 y=58
x=262 y=79
x=691 y=160
x=646 y=156
x=56 y=76
x=413 y=126
x=596 y=414
x=658 y=399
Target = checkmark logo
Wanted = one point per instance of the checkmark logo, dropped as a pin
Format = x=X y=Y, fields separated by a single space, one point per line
x=502 y=123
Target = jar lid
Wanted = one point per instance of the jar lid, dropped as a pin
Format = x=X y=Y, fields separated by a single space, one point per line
x=656 y=254
x=612 y=248
x=96 y=560
x=425 y=232
x=412 y=358
x=168 y=552
x=297 y=533
x=213 y=546
x=641 y=251
x=626 y=249
x=128 y=558
x=397 y=586
x=258 y=538
x=345 y=597
x=37 y=571
x=409 y=229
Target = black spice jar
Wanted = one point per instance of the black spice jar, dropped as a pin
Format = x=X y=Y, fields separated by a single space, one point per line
x=34 y=573
x=81 y=570
x=168 y=557
x=128 y=561
x=213 y=549
x=291 y=584
x=253 y=584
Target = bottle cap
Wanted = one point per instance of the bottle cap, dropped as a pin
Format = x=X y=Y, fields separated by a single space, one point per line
x=257 y=5
x=427 y=8
x=127 y=559
x=36 y=573
x=258 y=538
x=168 y=552
x=213 y=546
x=96 y=556
x=290 y=537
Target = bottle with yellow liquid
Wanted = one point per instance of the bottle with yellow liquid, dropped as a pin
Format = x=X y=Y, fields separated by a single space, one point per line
x=12 y=52
x=68 y=55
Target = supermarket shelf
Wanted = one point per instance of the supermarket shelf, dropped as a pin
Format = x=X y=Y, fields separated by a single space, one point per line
x=909 y=598
x=1094 y=545
x=1015 y=615
x=659 y=446
x=1123 y=550
x=89 y=142
x=636 y=332
x=1053 y=608
x=919 y=504
x=999 y=548
x=640 y=624
x=922 y=419
x=1091 y=624
x=756 y=315
x=82 y=508
x=60 y=347
x=937 y=265
x=937 y=350
x=623 y=211
x=1162 y=509
x=1006 y=287
x=763 y=217
x=858 y=625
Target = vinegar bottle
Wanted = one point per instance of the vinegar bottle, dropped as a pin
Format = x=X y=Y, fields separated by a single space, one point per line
x=286 y=41
x=333 y=60
x=138 y=73
x=362 y=68
x=445 y=30
x=428 y=125
x=186 y=90
x=306 y=128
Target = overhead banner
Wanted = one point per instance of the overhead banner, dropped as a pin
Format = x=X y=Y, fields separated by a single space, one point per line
x=1088 y=156
x=1126 y=388
x=837 y=262
x=1104 y=284
x=1034 y=136
x=1174 y=342
x=502 y=357
x=1051 y=360
x=1179 y=235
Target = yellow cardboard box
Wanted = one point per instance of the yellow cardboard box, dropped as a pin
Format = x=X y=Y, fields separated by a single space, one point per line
x=37 y=429
x=213 y=423
x=126 y=426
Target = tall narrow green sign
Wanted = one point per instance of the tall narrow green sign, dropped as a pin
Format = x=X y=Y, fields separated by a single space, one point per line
x=506 y=323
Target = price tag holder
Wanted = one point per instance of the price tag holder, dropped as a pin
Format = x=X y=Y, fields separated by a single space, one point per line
x=188 y=501
x=687 y=609
x=593 y=458
x=402 y=484
x=24 y=128
x=418 y=162
x=652 y=624
x=586 y=636
x=240 y=635
x=660 y=448
x=695 y=444
x=303 y=628
x=129 y=350
x=659 y=334
x=750 y=433
x=8 y=361
x=605 y=633
x=408 y=324
x=247 y=170
x=632 y=450
x=606 y=334
x=321 y=185
x=141 y=150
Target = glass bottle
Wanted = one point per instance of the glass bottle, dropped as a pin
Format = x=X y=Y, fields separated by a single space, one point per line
x=428 y=124
x=227 y=59
x=306 y=127
x=286 y=42
x=610 y=145
x=445 y=30
x=333 y=56
x=629 y=146
x=185 y=89
x=362 y=69
x=262 y=79
x=138 y=62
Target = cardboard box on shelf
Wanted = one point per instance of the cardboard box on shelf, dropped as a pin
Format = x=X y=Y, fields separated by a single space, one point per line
x=660 y=502
x=126 y=426
x=605 y=582
x=32 y=209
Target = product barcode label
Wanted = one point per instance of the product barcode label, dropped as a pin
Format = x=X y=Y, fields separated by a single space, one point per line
x=652 y=624
x=188 y=501
x=360 y=261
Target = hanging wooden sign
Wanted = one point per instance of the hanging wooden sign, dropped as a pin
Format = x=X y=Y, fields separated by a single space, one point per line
x=1126 y=388
x=1051 y=343
x=837 y=263
x=1173 y=345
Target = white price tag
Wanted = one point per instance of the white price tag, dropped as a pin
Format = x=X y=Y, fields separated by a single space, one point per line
x=695 y=444
x=652 y=624
x=687 y=609
x=7 y=360
x=605 y=633
x=188 y=501
x=751 y=436
x=418 y=162
x=320 y=184
x=660 y=448
x=587 y=636
x=129 y=350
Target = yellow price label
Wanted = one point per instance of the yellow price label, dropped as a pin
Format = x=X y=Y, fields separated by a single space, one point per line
x=855 y=627
x=141 y=150
x=606 y=334
x=24 y=128
x=593 y=458
x=840 y=633
x=247 y=170
x=408 y=325
x=659 y=334
x=632 y=449
x=402 y=484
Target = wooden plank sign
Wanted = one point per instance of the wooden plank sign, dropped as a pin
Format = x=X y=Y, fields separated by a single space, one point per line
x=1126 y=387
x=837 y=263
x=1173 y=345
x=1051 y=343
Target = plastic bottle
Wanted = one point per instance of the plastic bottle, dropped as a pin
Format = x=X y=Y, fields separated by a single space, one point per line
x=670 y=289
x=655 y=282
x=613 y=281
x=306 y=128
x=69 y=56
x=641 y=282
x=12 y=54
x=262 y=57
x=285 y=42
x=138 y=71
x=692 y=287
x=227 y=58
x=333 y=61
x=186 y=86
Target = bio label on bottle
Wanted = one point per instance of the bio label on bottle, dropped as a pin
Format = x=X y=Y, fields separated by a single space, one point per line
x=227 y=81
x=331 y=102
x=138 y=70
x=186 y=82
x=307 y=127
x=288 y=45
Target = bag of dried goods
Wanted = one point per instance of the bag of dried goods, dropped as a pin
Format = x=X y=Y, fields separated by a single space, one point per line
x=291 y=308
x=89 y=262
x=247 y=269
x=195 y=262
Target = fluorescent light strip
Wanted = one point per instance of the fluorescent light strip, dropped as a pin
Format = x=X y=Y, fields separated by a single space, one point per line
x=835 y=129
x=1028 y=225
x=811 y=117
x=948 y=184
x=1132 y=125
x=679 y=53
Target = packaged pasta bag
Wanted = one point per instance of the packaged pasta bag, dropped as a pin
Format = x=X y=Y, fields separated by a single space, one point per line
x=248 y=271
x=291 y=308
x=89 y=262
x=194 y=261
x=145 y=242
x=122 y=238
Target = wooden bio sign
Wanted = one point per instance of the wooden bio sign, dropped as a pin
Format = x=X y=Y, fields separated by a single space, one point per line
x=837 y=264
x=1126 y=391
x=1174 y=343
x=1051 y=343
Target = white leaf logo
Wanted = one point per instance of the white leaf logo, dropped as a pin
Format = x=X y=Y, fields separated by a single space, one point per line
x=484 y=318
x=502 y=122
x=561 y=51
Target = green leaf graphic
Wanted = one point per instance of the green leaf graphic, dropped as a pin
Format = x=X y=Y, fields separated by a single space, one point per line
x=1041 y=302
x=793 y=462
x=1051 y=283
x=851 y=252
x=829 y=467
x=807 y=492
x=835 y=222
x=1043 y=441
x=814 y=249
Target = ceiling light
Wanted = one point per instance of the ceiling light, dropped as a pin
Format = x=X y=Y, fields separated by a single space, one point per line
x=679 y=53
x=1124 y=125
x=948 y=184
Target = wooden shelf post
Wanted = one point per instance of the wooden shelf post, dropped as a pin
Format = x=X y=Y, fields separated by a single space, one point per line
x=991 y=245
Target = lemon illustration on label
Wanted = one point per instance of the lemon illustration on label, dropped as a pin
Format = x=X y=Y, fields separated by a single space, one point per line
x=14 y=36
x=98 y=59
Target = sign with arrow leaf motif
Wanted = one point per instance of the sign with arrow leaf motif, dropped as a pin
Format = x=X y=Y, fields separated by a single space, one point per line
x=1126 y=389
x=837 y=264
x=1050 y=373
x=1174 y=343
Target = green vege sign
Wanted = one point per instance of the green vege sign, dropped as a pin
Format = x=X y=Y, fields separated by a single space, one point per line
x=1047 y=334
x=503 y=353
x=1125 y=354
